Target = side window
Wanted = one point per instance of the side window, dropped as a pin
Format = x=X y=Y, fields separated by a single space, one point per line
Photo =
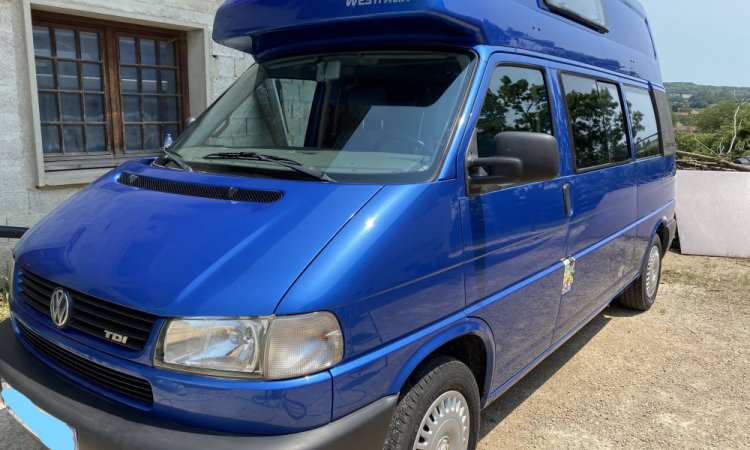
x=597 y=122
x=643 y=122
x=665 y=124
x=516 y=100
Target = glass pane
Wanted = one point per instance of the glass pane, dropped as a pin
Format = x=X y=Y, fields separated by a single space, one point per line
x=127 y=50
x=169 y=109
x=168 y=81
x=590 y=10
x=89 y=46
x=42 y=41
x=48 y=107
x=643 y=122
x=65 y=43
x=71 y=107
x=50 y=139
x=597 y=122
x=96 y=138
x=148 y=51
x=92 y=77
x=131 y=107
x=94 y=108
x=67 y=75
x=129 y=79
x=516 y=101
x=73 y=139
x=150 y=109
x=153 y=138
x=44 y=76
x=148 y=80
x=167 y=53
x=613 y=118
x=416 y=114
x=133 y=137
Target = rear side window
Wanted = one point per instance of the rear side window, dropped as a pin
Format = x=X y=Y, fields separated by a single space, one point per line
x=516 y=100
x=597 y=122
x=590 y=12
x=665 y=124
x=642 y=122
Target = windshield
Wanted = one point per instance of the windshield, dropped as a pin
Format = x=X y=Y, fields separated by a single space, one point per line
x=372 y=117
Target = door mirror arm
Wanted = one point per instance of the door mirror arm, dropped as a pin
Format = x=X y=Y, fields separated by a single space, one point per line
x=501 y=169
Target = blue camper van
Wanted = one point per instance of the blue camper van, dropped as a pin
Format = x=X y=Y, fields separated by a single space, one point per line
x=394 y=215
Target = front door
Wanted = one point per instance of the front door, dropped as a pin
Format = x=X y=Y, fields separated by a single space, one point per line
x=515 y=234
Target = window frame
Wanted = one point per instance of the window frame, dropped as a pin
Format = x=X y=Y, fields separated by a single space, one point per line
x=656 y=118
x=569 y=120
x=473 y=147
x=109 y=31
x=574 y=16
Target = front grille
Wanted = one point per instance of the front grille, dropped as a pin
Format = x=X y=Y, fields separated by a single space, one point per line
x=126 y=385
x=199 y=190
x=90 y=314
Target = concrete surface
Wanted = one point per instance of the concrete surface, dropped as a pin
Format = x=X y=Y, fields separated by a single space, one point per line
x=676 y=377
x=713 y=213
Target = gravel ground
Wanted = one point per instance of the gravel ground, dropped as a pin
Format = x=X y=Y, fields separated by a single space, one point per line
x=675 y=377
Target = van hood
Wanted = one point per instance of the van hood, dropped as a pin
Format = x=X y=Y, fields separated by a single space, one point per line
x=182 y=255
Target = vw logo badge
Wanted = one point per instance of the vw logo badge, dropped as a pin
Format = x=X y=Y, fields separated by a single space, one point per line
x=59 y=307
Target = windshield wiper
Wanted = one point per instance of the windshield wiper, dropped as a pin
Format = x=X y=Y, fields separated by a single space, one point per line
x=286 y=162
x=169 y=154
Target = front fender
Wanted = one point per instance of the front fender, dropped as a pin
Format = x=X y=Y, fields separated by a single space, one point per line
x=470 y=326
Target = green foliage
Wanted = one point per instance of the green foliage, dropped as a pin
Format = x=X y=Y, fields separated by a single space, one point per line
x=723 y=130
x=687 y=96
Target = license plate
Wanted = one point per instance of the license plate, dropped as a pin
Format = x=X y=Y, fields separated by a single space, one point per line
x=52 y=432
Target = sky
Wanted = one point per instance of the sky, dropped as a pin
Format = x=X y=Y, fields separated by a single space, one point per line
x=704 y=42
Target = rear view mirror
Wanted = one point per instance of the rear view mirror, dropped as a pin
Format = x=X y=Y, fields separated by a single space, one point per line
x=518 y=157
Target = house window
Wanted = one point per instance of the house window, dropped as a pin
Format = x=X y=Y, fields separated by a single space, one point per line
x=107 y=91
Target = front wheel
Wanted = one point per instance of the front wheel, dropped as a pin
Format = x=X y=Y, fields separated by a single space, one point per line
x=642 y=293
x=439 y=409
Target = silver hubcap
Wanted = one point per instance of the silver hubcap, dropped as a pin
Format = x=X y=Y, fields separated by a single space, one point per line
x=652 y=271
x=446 y=424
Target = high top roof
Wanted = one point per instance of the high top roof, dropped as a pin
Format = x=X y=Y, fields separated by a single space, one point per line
x=268 y=28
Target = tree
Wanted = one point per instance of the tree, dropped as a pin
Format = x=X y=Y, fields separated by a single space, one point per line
x=724 y=130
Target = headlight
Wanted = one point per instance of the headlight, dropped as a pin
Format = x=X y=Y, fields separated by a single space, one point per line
x=271 y=348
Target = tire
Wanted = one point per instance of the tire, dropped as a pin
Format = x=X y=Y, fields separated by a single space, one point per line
x=641 y=295
x=441 y=385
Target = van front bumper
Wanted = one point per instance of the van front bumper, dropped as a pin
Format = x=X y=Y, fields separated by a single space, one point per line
x=100 y=423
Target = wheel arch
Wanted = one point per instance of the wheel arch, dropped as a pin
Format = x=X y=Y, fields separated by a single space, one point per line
x=661 y=230
x=471 y=342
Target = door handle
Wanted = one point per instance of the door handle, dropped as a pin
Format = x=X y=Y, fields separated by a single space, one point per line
x=567 y=204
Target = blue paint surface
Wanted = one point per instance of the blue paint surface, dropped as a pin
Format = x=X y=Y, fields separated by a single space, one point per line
x=288 y=26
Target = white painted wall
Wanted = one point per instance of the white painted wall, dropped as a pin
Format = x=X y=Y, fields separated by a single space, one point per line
x=713 y=213
x=211 y=69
